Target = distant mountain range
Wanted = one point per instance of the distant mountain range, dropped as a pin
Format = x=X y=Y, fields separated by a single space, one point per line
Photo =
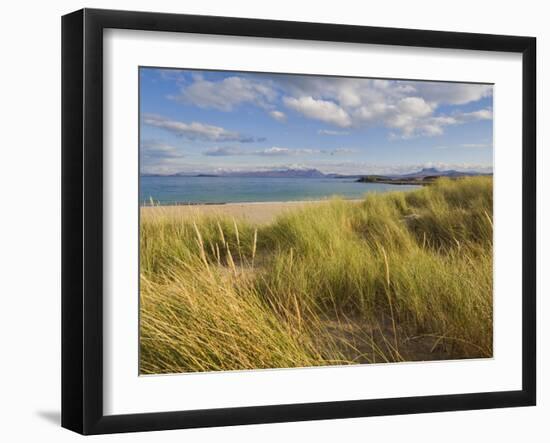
x=272 y=173
x=315 y=173
x=427 y=172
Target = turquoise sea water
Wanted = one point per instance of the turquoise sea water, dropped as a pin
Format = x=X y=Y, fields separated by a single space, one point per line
x=183 y=190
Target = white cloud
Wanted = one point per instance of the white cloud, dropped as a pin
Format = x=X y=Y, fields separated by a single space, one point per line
x=413 y=116
x=482 y=114
x=331 y=132
x=158 y=149
x=226 y=94
x=342 y=151
x=159 y=157
x=278 y=115
x=323 y=110
x=408 y=108
x=411 y=125
x=452 y=93
x=415 y=107
x=223 y=151
x=373 y=112
x=476 y=145
x=195 y=130
x=170 y=74
x=274 y=151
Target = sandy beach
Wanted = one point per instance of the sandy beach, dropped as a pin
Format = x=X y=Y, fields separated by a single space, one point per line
x=258 y=212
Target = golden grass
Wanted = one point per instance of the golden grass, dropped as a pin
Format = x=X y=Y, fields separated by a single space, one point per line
x=398 y=277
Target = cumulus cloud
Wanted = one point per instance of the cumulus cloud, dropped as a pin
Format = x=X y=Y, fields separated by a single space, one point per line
x=413 y=116
x=452 y=93
x=226 y=94
x=411 y=125
x=415 y=107
x=278 y=115
x=482 y=114
x=323 y=110
x=407 y=108
x=196 y=131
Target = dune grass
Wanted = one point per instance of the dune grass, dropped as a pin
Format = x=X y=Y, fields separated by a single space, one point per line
x=396 y=277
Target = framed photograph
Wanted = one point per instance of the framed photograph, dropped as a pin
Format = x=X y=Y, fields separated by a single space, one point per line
x=269 y=221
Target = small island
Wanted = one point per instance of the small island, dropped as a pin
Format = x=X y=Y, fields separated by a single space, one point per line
x=424 y=177
x=401 y=181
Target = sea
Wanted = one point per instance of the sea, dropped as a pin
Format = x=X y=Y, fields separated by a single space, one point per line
x=216 y=190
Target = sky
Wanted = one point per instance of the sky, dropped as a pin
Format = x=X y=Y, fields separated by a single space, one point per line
x=194 y=121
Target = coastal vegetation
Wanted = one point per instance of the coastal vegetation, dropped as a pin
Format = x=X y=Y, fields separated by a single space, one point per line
x=426 y=176
x=421 y=181
x=399 y=276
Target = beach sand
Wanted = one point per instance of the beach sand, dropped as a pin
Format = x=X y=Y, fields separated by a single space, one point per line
x=260 y=212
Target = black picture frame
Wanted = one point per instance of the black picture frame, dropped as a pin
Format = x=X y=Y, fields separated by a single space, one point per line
x=82 y=218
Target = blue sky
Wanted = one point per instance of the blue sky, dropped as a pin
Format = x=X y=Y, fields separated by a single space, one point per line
x=207 y=121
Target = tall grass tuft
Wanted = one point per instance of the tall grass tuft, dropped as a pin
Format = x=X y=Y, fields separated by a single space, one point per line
x=398 y=276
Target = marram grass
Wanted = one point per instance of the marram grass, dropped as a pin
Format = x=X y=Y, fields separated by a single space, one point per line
x=396 y=277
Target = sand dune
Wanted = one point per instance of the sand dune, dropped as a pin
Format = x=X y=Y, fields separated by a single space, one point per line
x=260 y=212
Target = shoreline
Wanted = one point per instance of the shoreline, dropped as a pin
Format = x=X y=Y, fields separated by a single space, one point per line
x=278 y=202
x=255 y=212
